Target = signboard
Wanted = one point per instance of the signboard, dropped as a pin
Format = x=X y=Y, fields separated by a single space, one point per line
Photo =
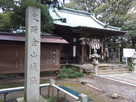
x=128 y=52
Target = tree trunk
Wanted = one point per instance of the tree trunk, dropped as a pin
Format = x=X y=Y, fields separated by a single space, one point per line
x=134 y=42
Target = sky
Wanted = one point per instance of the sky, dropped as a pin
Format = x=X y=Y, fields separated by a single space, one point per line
x=66 y=1
x=0 y=10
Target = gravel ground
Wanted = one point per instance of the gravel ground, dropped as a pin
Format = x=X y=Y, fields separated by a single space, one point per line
x=126 y=92
x=129 y=78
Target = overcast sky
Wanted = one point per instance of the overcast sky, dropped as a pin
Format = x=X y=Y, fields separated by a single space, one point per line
x=0 y=10
x=66 y=1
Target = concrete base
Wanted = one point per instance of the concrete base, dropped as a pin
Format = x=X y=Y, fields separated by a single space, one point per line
x=21 y=99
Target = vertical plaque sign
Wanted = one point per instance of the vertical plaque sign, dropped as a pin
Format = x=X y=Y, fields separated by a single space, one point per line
x=32 y=54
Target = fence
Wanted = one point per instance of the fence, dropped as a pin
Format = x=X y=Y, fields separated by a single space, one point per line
x=80 y=98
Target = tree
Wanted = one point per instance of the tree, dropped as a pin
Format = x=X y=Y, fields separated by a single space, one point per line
x=86 y=5
x=17 y=16
x=7 y=5
x=132 y=11
x=130 y=27
x=5 y=21
x=112 y=12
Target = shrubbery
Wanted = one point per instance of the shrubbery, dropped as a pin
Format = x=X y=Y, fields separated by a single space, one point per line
x=69 y=73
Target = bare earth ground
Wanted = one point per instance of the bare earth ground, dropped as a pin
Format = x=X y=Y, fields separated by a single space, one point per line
x=100 y=89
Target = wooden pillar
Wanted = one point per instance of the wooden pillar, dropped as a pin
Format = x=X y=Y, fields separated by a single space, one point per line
x=90 y=48
x=83 y=53
x=102 y=49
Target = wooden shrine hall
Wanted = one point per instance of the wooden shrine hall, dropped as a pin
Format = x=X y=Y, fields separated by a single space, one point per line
x=83 y=32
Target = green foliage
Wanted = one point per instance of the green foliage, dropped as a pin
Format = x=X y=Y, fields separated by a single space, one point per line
x=126 y=44
x=69 y=73
x=7 y=5
x=130 y=68
x=5 y=20
x=130 y=27
x=18 y=17
x=132 y=11
x=49 y=99
x=86 y=5
x=112 y=12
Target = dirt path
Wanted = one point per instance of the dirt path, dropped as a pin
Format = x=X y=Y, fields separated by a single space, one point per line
x=126 y=92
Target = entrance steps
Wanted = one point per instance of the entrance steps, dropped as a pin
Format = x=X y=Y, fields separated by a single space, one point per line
x=106 y=69
x=103 y=68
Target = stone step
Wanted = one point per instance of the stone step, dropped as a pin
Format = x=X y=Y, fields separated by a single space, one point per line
x=107 y=73
x=114 y=69
x=105 y=68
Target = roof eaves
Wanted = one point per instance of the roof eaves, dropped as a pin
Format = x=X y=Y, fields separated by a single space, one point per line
x=62 y=19
x=105 y=25
x=102 y=29
x=112 y=27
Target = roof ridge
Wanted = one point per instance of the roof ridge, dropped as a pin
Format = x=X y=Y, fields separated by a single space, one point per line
x=77 y=11
x=95 y=19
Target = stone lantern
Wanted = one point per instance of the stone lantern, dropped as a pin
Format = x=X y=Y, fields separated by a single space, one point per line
x=95 y=62
x=134 y=61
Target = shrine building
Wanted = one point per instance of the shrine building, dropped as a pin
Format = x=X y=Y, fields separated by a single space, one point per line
x=83 y=32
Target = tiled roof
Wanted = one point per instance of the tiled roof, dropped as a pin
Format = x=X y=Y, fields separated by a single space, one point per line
x=21 y=37
x=75 y=18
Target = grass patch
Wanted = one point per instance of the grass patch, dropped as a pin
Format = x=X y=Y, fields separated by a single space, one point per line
x=82 y=89
x=9 y=85
x=69 y=73
x=130 y=68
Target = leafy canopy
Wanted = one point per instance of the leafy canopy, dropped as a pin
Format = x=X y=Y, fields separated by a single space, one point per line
x=19 y=14
x=17 y=17
x=130 y=26
x=5 y=20
x=86 y=5
x=112 y=12
x=7 y=5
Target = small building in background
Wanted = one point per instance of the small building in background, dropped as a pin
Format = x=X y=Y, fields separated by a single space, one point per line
x=12 y=53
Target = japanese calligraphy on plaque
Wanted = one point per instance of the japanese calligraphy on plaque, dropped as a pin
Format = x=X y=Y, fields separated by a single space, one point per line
x=55 y=56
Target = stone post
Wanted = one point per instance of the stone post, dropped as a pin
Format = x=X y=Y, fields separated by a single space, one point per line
x=134 y=62
x=32 y=56
x=51 y=89
x=82 y=98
